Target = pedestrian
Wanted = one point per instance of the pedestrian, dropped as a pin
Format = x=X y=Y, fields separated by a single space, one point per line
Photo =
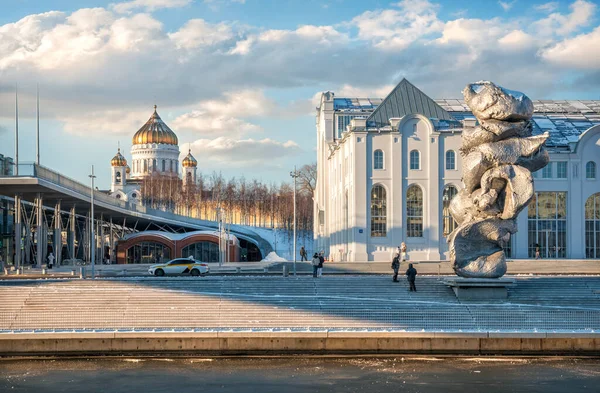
x=403 y=251
x=411 y=275
x=315 y=263
x=396 y=267
x=537 y=251
x=320 y=266
x=50 y=260
x=303 y=254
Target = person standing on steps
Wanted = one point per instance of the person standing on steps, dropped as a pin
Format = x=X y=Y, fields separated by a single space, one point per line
x=320 y=267
x=315 y=263
x=396 y=267
x=303 y=254
x=411 y=275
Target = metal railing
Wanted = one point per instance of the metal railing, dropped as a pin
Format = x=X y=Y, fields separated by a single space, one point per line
x=193 y=317
x=47 y=174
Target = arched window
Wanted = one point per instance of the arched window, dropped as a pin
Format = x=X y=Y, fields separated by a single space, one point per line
x=590 y=170
x=450 y=160
x=202 y=251
x=145 y=166
x=148 y=252
x=171 y=164
x=164 y=165
x=592 y=226
x=415 y=160
x=378 y=212
x=154 y=165
x=378 y=159
x=118 y=177
x=449 y=223
x=414 y=211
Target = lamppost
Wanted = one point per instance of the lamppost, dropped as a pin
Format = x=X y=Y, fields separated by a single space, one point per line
x=295 y=175
x=93 y=235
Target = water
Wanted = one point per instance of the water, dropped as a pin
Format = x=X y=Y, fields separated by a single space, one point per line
x=302 y=374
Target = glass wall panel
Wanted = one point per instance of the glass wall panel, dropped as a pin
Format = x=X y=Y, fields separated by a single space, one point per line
x=547 y=225
x=148 y=252
x=592 y=226
x=204 y=251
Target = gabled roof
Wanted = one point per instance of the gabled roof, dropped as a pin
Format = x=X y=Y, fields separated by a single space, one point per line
x=404 y=100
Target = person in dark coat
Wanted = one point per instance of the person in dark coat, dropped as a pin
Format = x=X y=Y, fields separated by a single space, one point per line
x=320 y=267
x=316 y=261
x=303 y=254
x=396 y=267
x=411 y=275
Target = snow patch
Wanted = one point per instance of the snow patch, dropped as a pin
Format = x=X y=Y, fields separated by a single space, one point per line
x=273 y=257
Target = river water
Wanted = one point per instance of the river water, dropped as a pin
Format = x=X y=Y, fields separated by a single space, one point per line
x=302 y=374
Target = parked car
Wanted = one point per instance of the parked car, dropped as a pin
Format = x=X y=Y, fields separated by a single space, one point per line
x=179 y=266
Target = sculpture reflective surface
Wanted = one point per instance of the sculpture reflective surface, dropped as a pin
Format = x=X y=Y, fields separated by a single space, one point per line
x=498 y=157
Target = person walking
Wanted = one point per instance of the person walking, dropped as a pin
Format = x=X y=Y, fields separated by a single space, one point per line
x=320 y=267
x=50 y=260
x=411 y=275
x=537 y=251
x=315 y=263
x=396 y=267
x=303 y=254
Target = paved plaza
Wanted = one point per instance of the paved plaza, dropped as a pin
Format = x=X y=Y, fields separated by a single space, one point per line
x=567 y=303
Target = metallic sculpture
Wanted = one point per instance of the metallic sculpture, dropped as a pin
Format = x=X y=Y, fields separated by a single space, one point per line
x=498 y=157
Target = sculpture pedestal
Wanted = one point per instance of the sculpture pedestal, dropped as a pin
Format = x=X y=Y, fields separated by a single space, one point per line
x=480 y=288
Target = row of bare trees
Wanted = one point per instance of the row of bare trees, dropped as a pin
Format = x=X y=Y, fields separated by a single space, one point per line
x=241 y=201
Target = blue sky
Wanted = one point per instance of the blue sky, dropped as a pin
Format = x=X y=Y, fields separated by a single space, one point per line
x=238 y=80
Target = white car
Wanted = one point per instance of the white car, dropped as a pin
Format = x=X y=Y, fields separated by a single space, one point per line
x=179 y=266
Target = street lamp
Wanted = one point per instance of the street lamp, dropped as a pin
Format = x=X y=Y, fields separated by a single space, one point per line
x=295 y=175
x=93 y=235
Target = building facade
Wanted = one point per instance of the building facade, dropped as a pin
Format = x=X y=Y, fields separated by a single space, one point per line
x=154 y=150
x=388 y=168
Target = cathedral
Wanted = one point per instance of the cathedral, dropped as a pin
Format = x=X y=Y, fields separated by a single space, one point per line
x=154 y=150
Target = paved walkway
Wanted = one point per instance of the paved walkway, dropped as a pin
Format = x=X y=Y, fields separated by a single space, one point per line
x=271 y=302
x=524 y=266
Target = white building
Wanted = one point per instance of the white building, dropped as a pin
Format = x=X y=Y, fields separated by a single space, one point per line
x=154 y=151
x=387 y=169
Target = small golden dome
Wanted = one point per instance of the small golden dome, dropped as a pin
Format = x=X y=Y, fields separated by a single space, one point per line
x=155 y=131
x=189 y=160
x=128 y=170
x=118 y=160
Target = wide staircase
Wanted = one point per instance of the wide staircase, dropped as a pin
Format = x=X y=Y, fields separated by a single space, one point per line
x=258 y=303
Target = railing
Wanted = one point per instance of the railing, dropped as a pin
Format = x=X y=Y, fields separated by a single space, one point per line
x=195 y=318
x=41 y=172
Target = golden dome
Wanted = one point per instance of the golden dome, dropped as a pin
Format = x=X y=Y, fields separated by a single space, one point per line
x=155 y=131
x=118 y=160
x=189 y=160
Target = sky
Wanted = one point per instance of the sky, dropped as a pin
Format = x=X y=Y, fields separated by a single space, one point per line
x=238 y=80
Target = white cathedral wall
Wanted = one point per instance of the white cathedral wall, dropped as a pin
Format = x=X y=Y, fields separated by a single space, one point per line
x=150 y=152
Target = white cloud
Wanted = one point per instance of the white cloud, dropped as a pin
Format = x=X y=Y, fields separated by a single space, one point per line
x=581 y=15
x=582 y=51
x=226 y=152
x=547 y=7
x=506 y=5
x=517 y=39
x=148 y=5
x=197 y=33
x=397 y=28
x=97 y=123
x=225 y=116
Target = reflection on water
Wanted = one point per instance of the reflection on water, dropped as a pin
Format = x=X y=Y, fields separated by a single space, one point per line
x=301 y=374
